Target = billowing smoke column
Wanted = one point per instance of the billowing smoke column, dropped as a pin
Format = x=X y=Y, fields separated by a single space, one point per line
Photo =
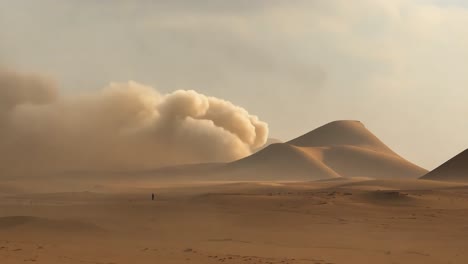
x=125 y=126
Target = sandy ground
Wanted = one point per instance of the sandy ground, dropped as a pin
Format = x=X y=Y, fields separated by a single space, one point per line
x=336 y=221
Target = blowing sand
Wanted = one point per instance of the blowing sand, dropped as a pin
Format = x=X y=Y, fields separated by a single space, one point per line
x=332 y=221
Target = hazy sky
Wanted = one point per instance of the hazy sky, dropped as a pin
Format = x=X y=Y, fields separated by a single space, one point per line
x=400 y=66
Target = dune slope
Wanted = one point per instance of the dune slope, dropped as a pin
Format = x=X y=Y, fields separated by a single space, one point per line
x=338 y=149
x=456 y=169
x=281 y=161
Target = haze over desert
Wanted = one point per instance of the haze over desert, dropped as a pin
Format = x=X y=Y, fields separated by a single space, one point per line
x=256 y=132
x=284 y=204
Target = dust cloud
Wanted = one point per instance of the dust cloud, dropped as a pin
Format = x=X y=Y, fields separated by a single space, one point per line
x=125 y=126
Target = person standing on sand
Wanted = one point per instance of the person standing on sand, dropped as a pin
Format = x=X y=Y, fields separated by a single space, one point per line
x=152 y=196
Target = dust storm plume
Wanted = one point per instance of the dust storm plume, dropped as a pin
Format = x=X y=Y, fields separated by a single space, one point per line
x=124 y=126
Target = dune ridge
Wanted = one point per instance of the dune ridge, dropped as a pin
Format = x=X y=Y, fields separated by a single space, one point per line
x=339 y=133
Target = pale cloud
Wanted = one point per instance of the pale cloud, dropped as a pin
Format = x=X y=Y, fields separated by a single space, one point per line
x=125 y=126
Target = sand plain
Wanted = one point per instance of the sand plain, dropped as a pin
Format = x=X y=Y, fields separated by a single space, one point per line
x=330 y=221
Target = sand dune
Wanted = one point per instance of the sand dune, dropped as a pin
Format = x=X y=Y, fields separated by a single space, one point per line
x=281 y=161
x=338 y=149
x=456 y=169
x=351 y=161
x=341 y=133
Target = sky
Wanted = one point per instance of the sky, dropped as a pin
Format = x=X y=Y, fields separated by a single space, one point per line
x=399 y=66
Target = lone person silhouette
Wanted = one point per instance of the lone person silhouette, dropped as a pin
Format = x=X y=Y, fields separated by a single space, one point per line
x=152 y=196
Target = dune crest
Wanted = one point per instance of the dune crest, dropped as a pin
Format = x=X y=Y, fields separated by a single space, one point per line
x=270 y=141
x=339 y=133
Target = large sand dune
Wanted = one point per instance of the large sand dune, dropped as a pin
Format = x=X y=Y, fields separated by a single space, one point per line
x=338 y=149
x=456 y=169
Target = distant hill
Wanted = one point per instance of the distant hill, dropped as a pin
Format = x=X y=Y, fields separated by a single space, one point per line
x=456 y=169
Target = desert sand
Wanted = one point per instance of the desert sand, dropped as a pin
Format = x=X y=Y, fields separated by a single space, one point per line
x=335 y=195
x=332 y=221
